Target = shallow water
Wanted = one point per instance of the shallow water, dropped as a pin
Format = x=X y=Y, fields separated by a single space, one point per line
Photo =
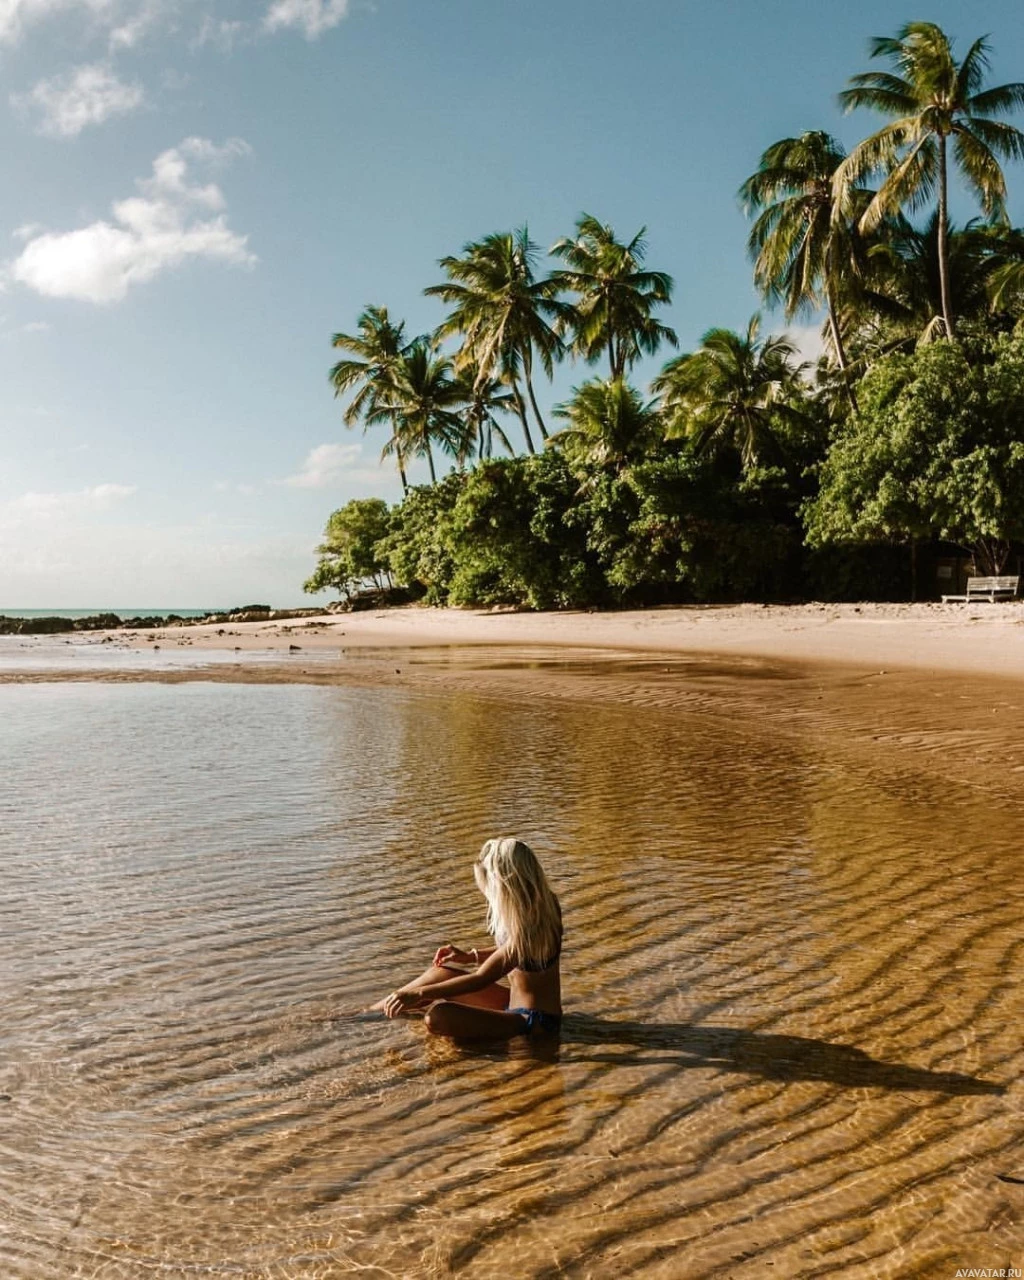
x=792 y=1044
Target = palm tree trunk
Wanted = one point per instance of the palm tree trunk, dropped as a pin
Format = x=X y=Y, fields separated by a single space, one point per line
x=401 y=472
x=536 y=411
x=947 y=310
x=840 y=350
x=430 y=463
x=521 y=411
x=527 y=372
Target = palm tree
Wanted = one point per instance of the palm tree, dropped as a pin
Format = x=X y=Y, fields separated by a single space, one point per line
x=608 y=422
x=484 y=399
x=504 y=314
x=805 y=252
x=422 y=400
x=732 y=392
x=616 y=296
x=903 y=299
x=933 y=101
x=378 y=346
x=1006 y=278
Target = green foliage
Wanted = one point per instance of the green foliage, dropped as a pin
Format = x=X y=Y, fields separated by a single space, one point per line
x=351 y=553
x=418 y=547
x=935 y=451
x=742 y=479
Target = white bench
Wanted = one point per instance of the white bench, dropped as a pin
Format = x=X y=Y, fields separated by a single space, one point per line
x=990 y=589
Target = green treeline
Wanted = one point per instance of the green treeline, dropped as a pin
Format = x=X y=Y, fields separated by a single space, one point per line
x=740 y=473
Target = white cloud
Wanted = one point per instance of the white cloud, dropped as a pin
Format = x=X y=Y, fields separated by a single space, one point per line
x=48 y=507
x=325 y=465
x=808 y=341
x=87 y=95
x=161 y=228
x=311 y=17
x=227 y=486
x=17 y=15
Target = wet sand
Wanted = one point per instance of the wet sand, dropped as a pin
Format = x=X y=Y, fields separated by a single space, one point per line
x=981 y=639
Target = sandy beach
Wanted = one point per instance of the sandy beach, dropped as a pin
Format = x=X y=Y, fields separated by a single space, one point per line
x=979 y=639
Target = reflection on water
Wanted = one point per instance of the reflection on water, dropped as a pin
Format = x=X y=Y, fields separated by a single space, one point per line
x=793 y=1016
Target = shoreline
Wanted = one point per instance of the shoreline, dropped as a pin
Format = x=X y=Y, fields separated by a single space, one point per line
x=976 y=640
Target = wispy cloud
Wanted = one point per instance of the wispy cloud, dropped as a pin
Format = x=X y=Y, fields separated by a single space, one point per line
x=221 y=33
x=325 y=465
x=125 y=24
x=48 y=507
x=171 y=221
x=312 y=17
x=87 y=95
x=120 y=21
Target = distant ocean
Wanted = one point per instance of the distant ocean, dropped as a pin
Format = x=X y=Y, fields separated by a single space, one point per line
x=91 y=613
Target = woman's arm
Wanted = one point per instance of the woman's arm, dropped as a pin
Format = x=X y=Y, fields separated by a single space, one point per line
x=494 y=967
x=454 y=955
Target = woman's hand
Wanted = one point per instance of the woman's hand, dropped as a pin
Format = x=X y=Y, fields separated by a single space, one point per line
x=452 y=955
x=398 y=1001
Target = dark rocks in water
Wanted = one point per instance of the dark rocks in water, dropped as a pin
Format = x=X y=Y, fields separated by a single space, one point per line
x=294 y=648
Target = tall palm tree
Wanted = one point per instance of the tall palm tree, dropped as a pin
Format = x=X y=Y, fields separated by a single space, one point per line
x=616 y=297
x=934 y=102
x=805 y=251
x=504 y=313
x=422 y=400
x=377 y=346
x=484 y=398
x=732 y=392
x=608 y=422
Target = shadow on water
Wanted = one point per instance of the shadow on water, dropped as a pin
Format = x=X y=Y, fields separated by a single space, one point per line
x=772 y=1057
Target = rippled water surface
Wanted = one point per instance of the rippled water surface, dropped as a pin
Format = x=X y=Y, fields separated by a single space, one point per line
x=793 y=1034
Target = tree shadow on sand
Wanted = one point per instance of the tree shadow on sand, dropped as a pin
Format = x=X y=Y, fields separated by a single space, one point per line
x=773 y=1057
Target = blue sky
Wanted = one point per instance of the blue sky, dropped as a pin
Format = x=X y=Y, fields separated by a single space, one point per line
x=198 y=193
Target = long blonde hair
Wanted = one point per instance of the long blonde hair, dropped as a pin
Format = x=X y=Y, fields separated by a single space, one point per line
x=522 y=912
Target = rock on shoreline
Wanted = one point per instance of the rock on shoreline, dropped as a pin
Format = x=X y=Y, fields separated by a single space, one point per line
x=49 y=626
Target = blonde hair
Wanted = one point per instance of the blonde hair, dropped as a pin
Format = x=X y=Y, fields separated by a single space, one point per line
x=522 y=912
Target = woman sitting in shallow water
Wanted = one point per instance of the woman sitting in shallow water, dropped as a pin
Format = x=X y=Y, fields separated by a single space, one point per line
x=524 y=917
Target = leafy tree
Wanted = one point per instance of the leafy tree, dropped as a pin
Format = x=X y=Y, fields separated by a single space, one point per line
x=374 y=350
x=422 y=401
x=806 y=251
x=616 y=296
x=608 y=423
x=733 y=392
x=936 y=102
x=351 y=553
x=936 y=451
x=418 y=547
x=504 y=313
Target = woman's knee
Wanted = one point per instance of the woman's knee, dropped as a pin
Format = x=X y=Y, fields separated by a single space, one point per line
x=441 y=1017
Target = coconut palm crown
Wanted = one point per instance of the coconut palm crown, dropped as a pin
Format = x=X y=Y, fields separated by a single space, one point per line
x=608 y=422
x=504 y=313
x=934 y=102
x=805 y=253
x=616 y=296
x=731 y=392
x=422 y=401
